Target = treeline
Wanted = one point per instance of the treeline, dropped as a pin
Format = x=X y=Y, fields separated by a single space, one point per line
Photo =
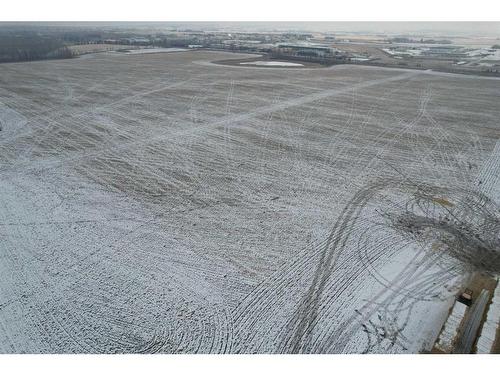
x=31 y=46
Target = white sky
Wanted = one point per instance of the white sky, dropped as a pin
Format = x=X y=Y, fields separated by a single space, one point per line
x=250 y=10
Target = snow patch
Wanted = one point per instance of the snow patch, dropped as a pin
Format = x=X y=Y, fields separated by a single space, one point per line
x=271 y=63
x=153 y=50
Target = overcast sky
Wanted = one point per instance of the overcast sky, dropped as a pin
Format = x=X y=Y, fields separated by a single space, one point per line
x=490 y=29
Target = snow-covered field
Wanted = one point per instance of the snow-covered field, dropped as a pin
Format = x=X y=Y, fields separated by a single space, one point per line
x=149 y=203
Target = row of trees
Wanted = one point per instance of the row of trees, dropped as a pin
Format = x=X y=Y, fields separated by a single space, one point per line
x=31 y=46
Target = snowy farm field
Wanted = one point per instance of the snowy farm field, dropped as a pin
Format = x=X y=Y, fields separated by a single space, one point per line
x=161 y=203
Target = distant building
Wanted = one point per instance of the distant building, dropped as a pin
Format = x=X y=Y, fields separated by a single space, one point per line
x=138 y=40
x=444 y=52
x=308 y=50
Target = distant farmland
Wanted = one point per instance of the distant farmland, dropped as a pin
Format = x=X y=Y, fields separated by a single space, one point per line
x=163 y=203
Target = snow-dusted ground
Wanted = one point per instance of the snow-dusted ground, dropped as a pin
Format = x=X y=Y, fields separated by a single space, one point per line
x=152 y=204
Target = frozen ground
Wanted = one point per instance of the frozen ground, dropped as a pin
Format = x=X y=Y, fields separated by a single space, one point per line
x=158 y=203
